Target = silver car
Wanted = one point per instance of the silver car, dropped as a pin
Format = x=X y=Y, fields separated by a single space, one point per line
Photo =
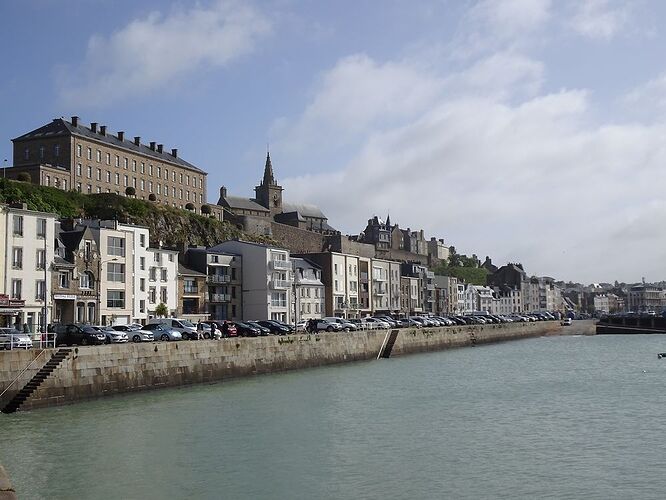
x=163 y=332
x=135 y=334
x=11 y=338
x=112 y=336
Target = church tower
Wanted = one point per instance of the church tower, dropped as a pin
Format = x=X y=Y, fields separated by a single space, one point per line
x=269 y=194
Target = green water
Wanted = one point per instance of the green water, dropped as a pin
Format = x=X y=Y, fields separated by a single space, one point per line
x=554 y=417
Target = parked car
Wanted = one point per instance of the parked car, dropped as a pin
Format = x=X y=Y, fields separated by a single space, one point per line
x=373 y=323
x=246 y=329
x=410 y=323
x=566 y=322
x=10 y=338
x=263 y=329
x=135 y=334
x=214 y=329
x=163 y=332
x=393 y=323
x=325 y=325
x=344 y=324
x=275 y=327
x=73 y=334
x=111 y=334
x=286 y=325
x=186 y=328
x=300 y=326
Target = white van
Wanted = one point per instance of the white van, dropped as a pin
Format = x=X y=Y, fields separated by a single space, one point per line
x=187 y=329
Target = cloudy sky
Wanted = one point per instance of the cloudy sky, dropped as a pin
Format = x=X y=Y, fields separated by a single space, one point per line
x=527 y=130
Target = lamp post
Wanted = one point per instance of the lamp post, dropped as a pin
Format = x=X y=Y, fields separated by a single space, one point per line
x=99 y=287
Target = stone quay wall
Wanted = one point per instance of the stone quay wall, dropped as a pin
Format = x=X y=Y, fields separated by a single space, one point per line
x=91 y=372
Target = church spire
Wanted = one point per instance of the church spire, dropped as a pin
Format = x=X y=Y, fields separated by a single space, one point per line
x=269 y=180
x=388 y=220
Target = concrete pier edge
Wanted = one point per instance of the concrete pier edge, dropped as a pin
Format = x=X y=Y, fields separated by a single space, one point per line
x=93 y=372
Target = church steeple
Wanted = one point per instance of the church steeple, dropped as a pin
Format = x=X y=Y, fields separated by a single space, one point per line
x=268 y=180
x=269 y=193
x=388 y=221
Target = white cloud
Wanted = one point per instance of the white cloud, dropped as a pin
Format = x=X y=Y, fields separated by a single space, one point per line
x=649 y=97
x=599 y=19
x=529 y=179
x=500 y=24
x=154 y=52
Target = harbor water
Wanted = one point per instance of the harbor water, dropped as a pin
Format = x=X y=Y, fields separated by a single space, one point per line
x=551 y=417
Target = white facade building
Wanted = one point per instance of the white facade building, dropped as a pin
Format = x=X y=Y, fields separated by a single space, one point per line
x=27 y=250
x=162 y=280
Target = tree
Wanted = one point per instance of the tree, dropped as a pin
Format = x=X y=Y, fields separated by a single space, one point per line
x=454 y=258
x=152 y=197
x=162 y=310
x=205 y=209
x=189 y=206
x=130 y=191
x=24 y=177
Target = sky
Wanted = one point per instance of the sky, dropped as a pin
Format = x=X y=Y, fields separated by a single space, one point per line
x=530 y=131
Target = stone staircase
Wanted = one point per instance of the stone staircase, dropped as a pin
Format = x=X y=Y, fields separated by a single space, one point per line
x=387 y=346
x=37 y=380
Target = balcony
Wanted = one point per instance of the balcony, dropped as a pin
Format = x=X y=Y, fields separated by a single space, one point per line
x=380 y=291
x=218 y=278
x=190 y=289
x=220 y=297
x=280 y=284
x=281 y=264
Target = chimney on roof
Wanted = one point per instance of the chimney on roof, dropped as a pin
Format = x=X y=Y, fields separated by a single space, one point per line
x=159 y=148
x=174 y=153
x=93 y=126
x=152 y=146
x=102 y=129
x=223 y=192
x=75 y=121
x=121 y=136
x=137 y=140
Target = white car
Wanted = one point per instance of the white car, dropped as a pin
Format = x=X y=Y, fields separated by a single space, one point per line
x=374 y=323
x=13 y=339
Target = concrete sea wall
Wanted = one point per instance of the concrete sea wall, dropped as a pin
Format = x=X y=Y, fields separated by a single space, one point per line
x=91 y=372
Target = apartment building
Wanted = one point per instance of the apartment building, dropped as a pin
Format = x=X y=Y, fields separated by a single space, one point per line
x=162 y=283
x=427 y=280
x=90 y=159
x=411 y=296
x=27 y=249
x=266 y=280
x=192 y=294
x=446 y=294
x=309 y=292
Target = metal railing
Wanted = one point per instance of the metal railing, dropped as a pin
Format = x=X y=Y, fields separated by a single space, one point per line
x=220 y=297
x=281 y=264
x=218 y=278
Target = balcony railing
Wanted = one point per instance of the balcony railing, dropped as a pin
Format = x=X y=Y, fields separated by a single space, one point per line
x=280 y=284
x=218 y=278
x=190 y=289
x=220 y=297
x=281 y=264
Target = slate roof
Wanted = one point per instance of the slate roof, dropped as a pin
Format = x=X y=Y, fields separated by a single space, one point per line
x=242 y=203
x=60 y=127
x=186 y=271
x=304 y=209
x=71 y=239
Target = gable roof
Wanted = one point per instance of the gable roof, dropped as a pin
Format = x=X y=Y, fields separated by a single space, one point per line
x=242 y=203
x=60 y=127
x=304 y=209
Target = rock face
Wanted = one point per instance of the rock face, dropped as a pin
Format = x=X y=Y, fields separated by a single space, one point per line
x=7 y=491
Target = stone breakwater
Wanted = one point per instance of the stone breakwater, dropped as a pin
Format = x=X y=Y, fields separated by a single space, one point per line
x=90 y=372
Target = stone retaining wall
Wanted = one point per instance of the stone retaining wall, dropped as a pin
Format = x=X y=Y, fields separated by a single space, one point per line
x=91 y=372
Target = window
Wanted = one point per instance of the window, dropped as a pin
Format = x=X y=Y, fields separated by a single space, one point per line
x=89 y=188
x=174 y=192
x=159 y=188
x=63 y=279
x=16 y=289
x=143 y=185
x=99 y=156
x=86 y=280
x=78 y=150
x=173 y=175
x=278 y=299
x=40 y=259
x=41 y=228
x=89 y=155
x=117 y=179
x=159 y=172
x=142 y=263
x=134 y=182
x=17 y=258
x=125 y=181
x=335 y=267
x=115 y=272
x=157 y=257
x=163 y=295
x=41 y=152
x=142 y=240
x=194 y=181
x=115 y=299
x=40 y=290
x=152 y=274
x=166 y=174
x=99 y=189
x=133 y=165
x=99 y=174
x=152 y=295
x=164 y=274
x=26 y=154
x=78 y=187
x=125 y=163
x=18 y=225
x=170 y=257
x=117 y=161
x=143 y=168
x=64 y=184
x=190 y=285
x=142 y=306
x=108 y=176
x=48 y=180
x=108 y=158
x=150 y=186
x=56 y=150
x=181 y=178
x=187 y=180
x=142 y=284
x=116 y=246
x=150 y=170
x=181 y=194
x=89 y=172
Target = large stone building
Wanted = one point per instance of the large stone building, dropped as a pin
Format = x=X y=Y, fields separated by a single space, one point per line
x=70 y=155
x=255 y=215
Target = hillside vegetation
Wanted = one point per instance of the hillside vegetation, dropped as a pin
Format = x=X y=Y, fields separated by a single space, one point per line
x=171 y=226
